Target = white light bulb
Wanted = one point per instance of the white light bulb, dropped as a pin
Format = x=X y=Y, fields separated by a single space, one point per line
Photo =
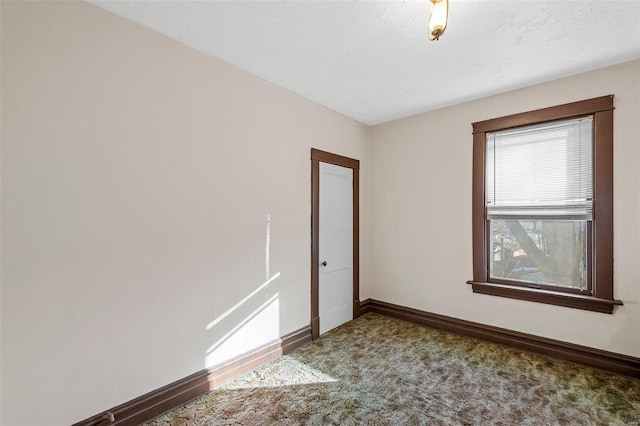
x=438 y=18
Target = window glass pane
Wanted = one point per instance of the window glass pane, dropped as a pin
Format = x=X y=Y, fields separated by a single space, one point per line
x=548 y=252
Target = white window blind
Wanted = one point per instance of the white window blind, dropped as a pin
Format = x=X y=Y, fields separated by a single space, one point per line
x=542 y=171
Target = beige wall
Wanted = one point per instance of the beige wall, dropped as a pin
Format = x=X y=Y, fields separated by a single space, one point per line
x=421 y=214
x=137 y=178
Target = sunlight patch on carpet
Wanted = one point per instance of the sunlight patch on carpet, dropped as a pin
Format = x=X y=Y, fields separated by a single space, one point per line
x=283 y=372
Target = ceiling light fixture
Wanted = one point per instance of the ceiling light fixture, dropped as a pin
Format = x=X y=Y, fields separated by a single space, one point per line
x=438 y=18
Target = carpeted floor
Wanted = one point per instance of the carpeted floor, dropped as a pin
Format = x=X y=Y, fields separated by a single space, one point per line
x=378 y=370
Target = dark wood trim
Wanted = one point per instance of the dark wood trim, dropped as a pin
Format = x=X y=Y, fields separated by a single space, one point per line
x=315 y=247
x=573 y=109
x=102 y=419
x=177 y=393
x=338 y=160
x=478 y=202
x=603 y=205
x=356 y=240
x=365 y=306
x=318 y=156
x=550 y=297
x=315 y=327
x=600 y=234
x=597 y=358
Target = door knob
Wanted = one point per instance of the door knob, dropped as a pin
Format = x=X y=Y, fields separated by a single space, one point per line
x=324 y=263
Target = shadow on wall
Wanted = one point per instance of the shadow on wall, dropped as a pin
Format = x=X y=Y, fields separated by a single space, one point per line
x=250 y=322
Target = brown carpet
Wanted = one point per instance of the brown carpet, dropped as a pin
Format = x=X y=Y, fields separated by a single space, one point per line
x=378 y=370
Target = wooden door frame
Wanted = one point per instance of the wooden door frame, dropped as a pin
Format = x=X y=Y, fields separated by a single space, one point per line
x=317 y=157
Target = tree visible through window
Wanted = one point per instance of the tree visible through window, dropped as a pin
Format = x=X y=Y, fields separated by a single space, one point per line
x=543 y=208
x=540 y=252
x=539 y=197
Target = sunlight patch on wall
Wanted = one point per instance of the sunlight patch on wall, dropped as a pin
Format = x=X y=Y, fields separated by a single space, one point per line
x=267 y=248
x=260 y=326
x=249 y=323
x=240 y=303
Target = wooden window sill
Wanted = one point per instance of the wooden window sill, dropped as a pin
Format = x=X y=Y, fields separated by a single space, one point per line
x=558 y=298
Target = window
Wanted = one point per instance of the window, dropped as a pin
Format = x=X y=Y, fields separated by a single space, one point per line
x=543 y=206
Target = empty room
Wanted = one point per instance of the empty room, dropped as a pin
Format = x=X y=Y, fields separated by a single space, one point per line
x=320 y=212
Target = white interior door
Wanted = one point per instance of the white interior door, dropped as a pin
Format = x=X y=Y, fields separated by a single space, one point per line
x=335 y=281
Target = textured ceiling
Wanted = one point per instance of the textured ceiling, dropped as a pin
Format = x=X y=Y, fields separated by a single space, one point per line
x=373 y=61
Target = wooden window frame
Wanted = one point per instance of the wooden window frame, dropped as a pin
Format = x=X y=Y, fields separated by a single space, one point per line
x=600 y=298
